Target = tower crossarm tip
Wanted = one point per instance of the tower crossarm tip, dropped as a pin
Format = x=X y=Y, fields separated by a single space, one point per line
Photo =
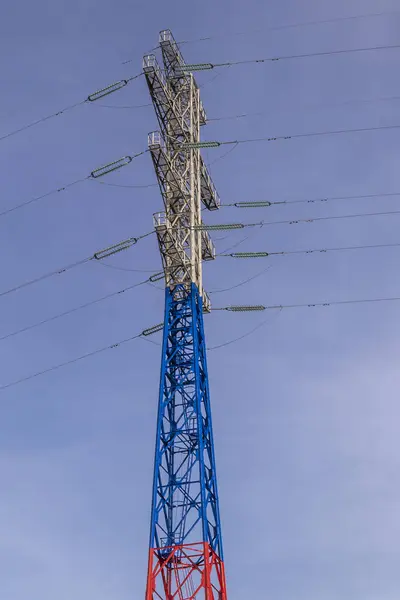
x=209 y=195
x=207 y=246
x=206 y=302
x=170 y=116
x=172 y=56
x=174 y=66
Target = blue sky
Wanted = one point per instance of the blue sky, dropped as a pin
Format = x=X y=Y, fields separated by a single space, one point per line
x=305 y=409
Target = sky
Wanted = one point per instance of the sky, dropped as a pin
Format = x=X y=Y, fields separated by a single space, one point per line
x=305 y=408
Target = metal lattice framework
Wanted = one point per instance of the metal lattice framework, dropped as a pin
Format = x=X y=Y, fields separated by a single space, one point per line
x=186 y=558
x=184 y=180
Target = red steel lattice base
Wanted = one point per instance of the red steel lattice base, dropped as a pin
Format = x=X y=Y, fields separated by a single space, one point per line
x=185 y=572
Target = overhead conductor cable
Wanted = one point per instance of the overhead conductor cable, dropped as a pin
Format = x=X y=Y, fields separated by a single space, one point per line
x=102 y=93
x=97 y=256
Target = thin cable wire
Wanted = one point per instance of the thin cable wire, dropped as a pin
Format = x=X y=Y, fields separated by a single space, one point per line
x=247 y=237
x=307 y=107
x=127 y=269
x=245 y=335
x=275 y=28
x=329 y=218
x=324 y=199
x=223 y=155
x=319 y=304
x=119 y=185
x=58 y=190
x=233 y=287
x=132 y=106
x=56 y=114
x=306 y=55
x=300 y=221
x=261 y=224
x=309 y=251
x=290 y=26
x=339 y=249
x=37 y=198
x=257 y=114
x=310 y=134
x=147 y=339
x=233 y=117
x=72 y=310
x=63 y=269
x=232 y=142
x=45 y=276
x=151 y=51
x=216 y=76
x=321 y=250
x=279 y=307
x=156 y=287
x=42 y=120
x=69 y=362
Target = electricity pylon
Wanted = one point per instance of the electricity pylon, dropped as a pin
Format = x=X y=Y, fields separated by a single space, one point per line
x=185 y=558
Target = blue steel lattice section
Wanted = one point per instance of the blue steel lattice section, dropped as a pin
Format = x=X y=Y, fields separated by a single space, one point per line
x=185 y=505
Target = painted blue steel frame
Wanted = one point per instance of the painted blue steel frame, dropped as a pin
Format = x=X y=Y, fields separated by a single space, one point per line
x=185 y=506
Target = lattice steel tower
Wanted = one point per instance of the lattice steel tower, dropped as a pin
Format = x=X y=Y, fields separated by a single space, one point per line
x=185 y=558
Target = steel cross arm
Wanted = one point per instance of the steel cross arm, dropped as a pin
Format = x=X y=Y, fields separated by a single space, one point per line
x=173 y=61
x=168 y=110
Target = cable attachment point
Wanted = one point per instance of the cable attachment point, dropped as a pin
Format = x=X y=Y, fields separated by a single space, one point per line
x=198 y=145
x=194 y=67
x=249 y=254
x=252 y=204
x=124 y=245
x=114 y=87
x=245 y=308
x=222 y=227
x=153 y=329
x=156 y=277
x=110 y=167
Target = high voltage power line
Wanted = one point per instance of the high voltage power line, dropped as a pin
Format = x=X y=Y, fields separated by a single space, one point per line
x=93 y=176
x=244 y=255
x=303 y=107
x=124 y=161
x=217 y=144
x=70 y=362
x=91 y=98
x=118 y=85
x=245 y=335
x=243 y=282
x=45 y=276
x=97 y=256
x=125 y=244
x=127 y=269
x=232 y=308
x=159 y=275
x=238 y=226
x=266 y=203
x=184 y=243
x=119 y=185
x=261 y=307
x=281 y=28
x=210 y=66
x=42 y=196
x=152 y=278
x=291 y=26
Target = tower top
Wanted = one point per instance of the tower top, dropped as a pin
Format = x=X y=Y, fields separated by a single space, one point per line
x=184 y=180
